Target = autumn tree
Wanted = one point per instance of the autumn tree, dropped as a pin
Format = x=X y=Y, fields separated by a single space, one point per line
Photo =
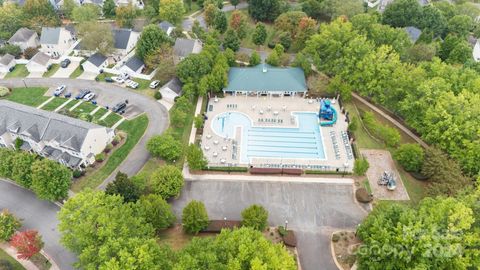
x=194 y=217
x=86 y=13
x=96 y=37
x=50 y=180
x=124 y=15
x=238 y=22
x=27 y=244
x=210 y=13
x=167 y=181
x=8 y=225
x=162 y=59
x=38 y=14
x=171 y=10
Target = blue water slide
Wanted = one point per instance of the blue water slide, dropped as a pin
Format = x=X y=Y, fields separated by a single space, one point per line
x=332 y=122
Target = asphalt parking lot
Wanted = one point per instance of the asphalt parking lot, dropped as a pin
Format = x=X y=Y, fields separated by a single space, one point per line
x=313 y=210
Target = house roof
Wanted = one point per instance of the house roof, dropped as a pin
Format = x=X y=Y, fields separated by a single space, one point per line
x=50 y=35
x=121 y=38
x=165 y=26
x=22 y=35
x=42 y=125
x=175 y=85
x=97 y=59
x=183 y=47
x=266 y=78
x=413 y=32
x=40 y=58
x=6 y=59
x=134 y=63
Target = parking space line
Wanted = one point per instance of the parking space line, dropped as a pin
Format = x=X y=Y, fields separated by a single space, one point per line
x=105 y=115
x=63 y=105
x=118 y=123
x=76 y=105
x=95 y=110
x=45 y=103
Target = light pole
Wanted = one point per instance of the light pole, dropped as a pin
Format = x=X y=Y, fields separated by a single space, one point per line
x=24 y=83
x=345 y=165
x=286 y=224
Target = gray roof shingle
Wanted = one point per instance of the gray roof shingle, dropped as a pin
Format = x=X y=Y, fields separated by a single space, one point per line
x=40 y=58
x=165 y=26
x=22 y=35
x=134 y=63
x=413 y=32
x=50 y=35
x=183 y=47
x=97 y=59
x=6 y=59
x=121 y=38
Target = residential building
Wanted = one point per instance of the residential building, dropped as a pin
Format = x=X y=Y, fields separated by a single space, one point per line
x=95 y=63
x=39 y=63
x=70 y=141
x=266 y=80
x=133 y=65
x=476 y=51
x=166 y=27
x=124 y=41
x=24 y=38
x=171 y=90
x=413 y=32
x=55 y=41
x=184 y=47
x=6 y=63
x=137 y=3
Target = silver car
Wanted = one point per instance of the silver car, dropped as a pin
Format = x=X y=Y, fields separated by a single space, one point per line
x=59 y=90
x=89 y=96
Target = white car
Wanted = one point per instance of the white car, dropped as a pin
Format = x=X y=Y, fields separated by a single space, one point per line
x=118 y=79
x=59 y=90
x=89 y=96
x=124 y=76
x=154 y=84
x=132 y=84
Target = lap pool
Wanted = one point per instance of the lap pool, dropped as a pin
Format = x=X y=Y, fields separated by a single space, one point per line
x=302 y=142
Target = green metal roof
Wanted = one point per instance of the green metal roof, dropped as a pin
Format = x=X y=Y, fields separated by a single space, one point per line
x=266 y=78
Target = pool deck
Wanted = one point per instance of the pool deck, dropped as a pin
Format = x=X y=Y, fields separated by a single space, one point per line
x=273 y=112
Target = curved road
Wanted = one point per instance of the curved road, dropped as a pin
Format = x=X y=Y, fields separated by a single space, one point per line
x=38 y=215
x=157 y=114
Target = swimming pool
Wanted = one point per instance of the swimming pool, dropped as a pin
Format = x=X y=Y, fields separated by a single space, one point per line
x=302 y=142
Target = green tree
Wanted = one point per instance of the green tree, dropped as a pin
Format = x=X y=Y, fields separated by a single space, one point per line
x=124 y=15
x=234 y=3
x=67 y=8
x=360 y=166
x=38 y=14
x=162 y=59
x=11 y=49
x=460 y=24
x=238 y=22
x=433 y=20
x=255 y=59
x=256 y=217
x=195 y=158
x=410 y=156
x=260 y=34
x=347 y=8
x=22 y=168
x=167 y=181
x=302 y=62
x=220 y=22
x=402 y=13
x=96 y=37
x=171 y=10
x=231 y=40
x=11 y=19
x=318 y=9
x=461 y=53
x=194 y=217
x=6 y=156
x=8 y=225
x=156 y=211
x=151 y=39
x=125 y=187
x=264 y=10
x=50 y=180
x=165 y=146
x=210 y=13
x=85 y=13
x=95 y=226
x=421 y=52
x=108 y=8
x=193 y=67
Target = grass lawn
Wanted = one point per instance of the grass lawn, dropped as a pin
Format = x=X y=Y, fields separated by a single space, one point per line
x=183 y=133
x=135 y=129
x=111 y=119
x=55 y=103
x=20 y=71
x=77 y=72
x=31 y=96
x=16 y=265
x=101 y=77
x=176 y=238
x=71 y=104
x=193 y=8
x=415 y=188
x=85 y=107
x=142 y=84
x=51 y=71
x=98 y=114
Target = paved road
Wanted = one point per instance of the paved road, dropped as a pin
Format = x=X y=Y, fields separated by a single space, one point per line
x=313 y=210
x=157 y=114
x=38 y=215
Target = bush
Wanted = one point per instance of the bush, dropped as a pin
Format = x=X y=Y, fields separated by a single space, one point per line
x=116 y=140
x=282 y=231
x=30 y=52
x=410 y=156
x=195 y=158
x=157 y=95
x=6 y=265
x=271 y=44
x=198 y=121
x=8 y=225
x=108 y=148
x=255 y=217
x=4 y=91
x=100 y=157
x=167 y=181
x=335 y=237
x=352 y=127
x=390 y=136
x=77 y=173
x=361 y=166
x=18 y=143
x=194 y=217
x=165 y=146
x=11 y=49
x=227 y=169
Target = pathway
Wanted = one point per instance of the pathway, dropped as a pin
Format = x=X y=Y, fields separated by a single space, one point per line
x=391 y=119
x=13 y=253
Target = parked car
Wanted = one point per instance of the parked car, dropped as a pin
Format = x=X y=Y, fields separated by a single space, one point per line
x=118 y=79
x=68 y=95
x=132 y=84
x=59 y=90
x=11 y=69
x=124 y=76
x=120 y=107
x=154 y=84
x=89 y=96
x=83 y=93
x=65 y=63
x=108 y=79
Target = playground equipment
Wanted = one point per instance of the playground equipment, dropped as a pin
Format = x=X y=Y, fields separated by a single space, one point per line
x=388 y=179
x=327 y=112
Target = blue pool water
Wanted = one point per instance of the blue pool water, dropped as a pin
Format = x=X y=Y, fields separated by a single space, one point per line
x=303 y=142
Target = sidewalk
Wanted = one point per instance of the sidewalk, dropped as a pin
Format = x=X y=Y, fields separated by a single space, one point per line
x=13 y=253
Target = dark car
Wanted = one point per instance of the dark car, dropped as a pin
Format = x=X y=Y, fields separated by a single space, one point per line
x=82 y=93
x=11 y=69
x=68 y=95
x=120 y=107
x=108 y=79
x=65 y=63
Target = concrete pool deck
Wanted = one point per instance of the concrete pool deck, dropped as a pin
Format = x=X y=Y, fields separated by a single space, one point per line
x=275 y=112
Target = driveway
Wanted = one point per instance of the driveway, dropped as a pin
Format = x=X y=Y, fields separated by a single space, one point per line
x=35 y=75
x=313 y=210
x=87 y=76
x=38 y=215
x=157 y=114
x=65 y=72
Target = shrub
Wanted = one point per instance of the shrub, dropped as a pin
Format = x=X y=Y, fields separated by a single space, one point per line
x=198 y=121
x=100 y=157
x=77 y=173
x=285 y=40
x=167 y=181
x=271 y=44
x=116 y=140
x=410 y=156
x=8 y=225
x=4 y=91
x=390 y=136
x=108 y=148
x=335 y=237
x=194 y=217
x=282 y=231
x=18 y=143
x=165 y=146
x=352 y=127
x=6 y=265
x=255 y=217
x=195 y=158
x=361 y=166
x=27 y=243
x=157 y=95
x=30 y=52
